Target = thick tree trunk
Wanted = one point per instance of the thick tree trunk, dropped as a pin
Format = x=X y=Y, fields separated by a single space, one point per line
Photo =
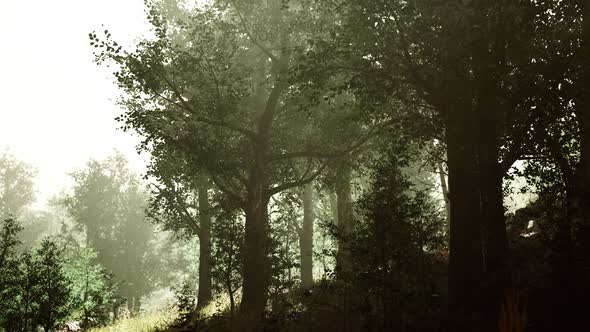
x=256 y=273
x=465 y=261
x=580 y=204
x=494 y=240
x=583 y=102
x=563 y=270
x=306 y=238
x=345 y=219
x=204 y=295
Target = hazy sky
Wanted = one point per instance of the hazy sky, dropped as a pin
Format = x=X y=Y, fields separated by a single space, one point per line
x=57 y=108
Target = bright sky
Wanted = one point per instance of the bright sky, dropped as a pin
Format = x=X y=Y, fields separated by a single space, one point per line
x=57 y=107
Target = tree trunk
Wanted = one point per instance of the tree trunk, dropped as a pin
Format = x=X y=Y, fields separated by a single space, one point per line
x=204 y=295
x=445 y=194
x=130 y=306
x=256 y=273
x=563 y=270
x=345 y=218
x=465 y=260
x=581 y=202
x=306 y=238
x=583 y=103
x=334 y=207
x=494 y=240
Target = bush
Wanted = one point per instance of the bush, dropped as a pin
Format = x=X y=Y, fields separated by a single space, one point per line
x=9 y=267
x=394 y=270
x=41 y=291
x=93 y=291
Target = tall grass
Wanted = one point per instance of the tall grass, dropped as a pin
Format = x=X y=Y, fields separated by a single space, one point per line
x=150 y=322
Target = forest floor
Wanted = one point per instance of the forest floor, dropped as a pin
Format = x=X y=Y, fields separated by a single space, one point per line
x=148 y=322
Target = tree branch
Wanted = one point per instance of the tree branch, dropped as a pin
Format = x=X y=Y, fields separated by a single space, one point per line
x=326 y=155
x=251 y=37
x=408 y=57
x=179 y=205
x=297 y=183
x=184 y=105
x=225 y=188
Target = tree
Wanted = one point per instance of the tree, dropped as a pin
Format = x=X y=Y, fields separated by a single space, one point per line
x=16 y=185
x=306 y=238
x=108 y=204
x=558 y=143
x=180 y=203
x=226 y=250
x=240 y=121
x=8 y=267
x=9 y=240
x=476 y=91
x=391 y=248
x=93 y=290
x=54 y=304
x=41 y=291
x=345 y=218
x=21 y=315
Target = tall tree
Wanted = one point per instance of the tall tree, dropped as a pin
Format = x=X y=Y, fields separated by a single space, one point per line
x=442 y=58
x=55 y=288
x=345 y=217
x=306 y=237
x=205 y=216
x=107 y=203
x=181 y=203
x=9 y=264
x=559 y=137
x=220 y=96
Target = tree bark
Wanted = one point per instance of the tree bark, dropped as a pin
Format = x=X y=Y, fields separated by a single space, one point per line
x=580 y=202
x=345 y=218
x=204 y=295
x=583 y=100
x=306 y=238
x=493 y=221
x=334 y=207
x=256 y=266
x=465 y=260
x=563 y=245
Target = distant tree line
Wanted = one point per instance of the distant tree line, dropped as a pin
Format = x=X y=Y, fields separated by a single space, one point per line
x=91 y=253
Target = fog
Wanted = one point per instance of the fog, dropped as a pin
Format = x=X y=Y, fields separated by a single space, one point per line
x=57 y=110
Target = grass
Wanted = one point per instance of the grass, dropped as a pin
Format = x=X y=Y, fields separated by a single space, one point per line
x=152 y=322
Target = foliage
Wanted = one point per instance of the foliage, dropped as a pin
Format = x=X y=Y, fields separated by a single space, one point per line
x=260 y=98
x=9 y=266
x=108 y=205
x=93 y=289
x=55 y=287
x=185 y=297
x=284 y=253
x=41 y=290
x=16 y=185
x=226 y=250
x=392 y=249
